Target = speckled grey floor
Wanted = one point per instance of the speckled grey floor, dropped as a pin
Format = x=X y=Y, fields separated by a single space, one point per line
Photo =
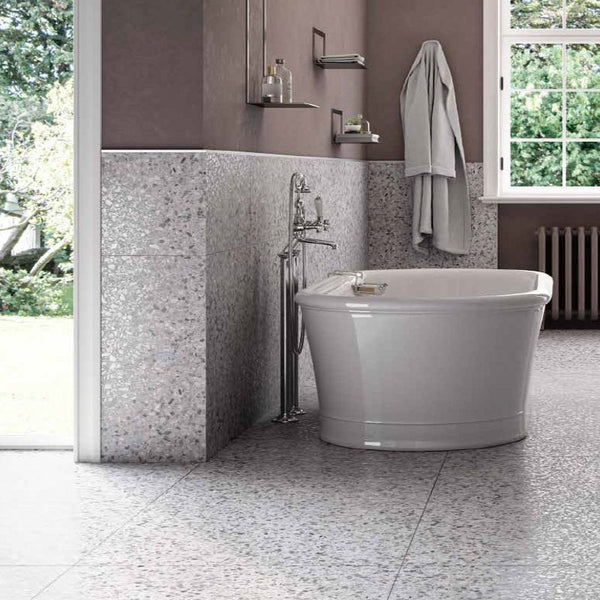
x=280 y=515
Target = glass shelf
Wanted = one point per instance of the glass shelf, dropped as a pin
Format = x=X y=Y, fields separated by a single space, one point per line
x=356 y=138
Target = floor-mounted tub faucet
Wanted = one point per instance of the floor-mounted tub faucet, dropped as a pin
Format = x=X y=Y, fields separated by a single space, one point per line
x=293 y=278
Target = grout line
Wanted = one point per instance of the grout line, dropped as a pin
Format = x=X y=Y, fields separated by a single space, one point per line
x=36 y=595
x=33 y=565
x=417 y=526
x=118 y=528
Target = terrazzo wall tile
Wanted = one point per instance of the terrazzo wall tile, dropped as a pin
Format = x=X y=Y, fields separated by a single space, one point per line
x=190 y=315
x=390 y=223
x=153 y=352
x=153 y=203
x=153 y=307
x=243 y=273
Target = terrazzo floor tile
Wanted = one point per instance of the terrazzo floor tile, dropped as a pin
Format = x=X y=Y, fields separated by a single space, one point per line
x=558 y=420
x=52 y=512
x=573 y=351
x=23 y=583
x=243 y=580
x=280 y=514
x=361 y=511
x=505 y=506
x=497 y=583
x=278 y=489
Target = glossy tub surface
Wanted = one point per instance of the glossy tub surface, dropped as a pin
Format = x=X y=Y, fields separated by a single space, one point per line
x=441 y=361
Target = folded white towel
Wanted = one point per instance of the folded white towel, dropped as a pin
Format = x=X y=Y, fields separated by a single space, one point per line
x=341 y=58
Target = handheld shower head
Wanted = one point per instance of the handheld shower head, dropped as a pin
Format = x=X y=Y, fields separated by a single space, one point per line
x=300 y=184
x=303 y=187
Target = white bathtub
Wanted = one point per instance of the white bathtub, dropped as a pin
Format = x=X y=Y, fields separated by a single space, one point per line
x=440 y=361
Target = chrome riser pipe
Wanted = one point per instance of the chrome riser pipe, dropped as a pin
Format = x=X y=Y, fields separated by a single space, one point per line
x=288 y=364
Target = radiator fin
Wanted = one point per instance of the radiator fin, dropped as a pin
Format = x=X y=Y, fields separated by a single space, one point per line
x=594 y=276
x=568 y=273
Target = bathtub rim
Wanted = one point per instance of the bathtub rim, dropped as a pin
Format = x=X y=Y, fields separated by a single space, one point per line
x=311 y=299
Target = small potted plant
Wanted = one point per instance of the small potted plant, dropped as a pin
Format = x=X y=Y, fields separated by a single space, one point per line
x=353 y=125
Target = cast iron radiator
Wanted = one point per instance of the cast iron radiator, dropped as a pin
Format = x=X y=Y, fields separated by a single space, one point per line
x=570 y=256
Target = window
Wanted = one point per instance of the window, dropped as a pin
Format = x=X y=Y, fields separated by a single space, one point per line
x=542 y=100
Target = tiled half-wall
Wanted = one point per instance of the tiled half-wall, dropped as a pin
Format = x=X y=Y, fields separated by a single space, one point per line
x=190 y=284
x=246 y=229
x=190 y=319
x=153 y=306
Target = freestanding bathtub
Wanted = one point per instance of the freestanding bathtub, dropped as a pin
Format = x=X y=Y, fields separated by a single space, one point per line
x=440 y=361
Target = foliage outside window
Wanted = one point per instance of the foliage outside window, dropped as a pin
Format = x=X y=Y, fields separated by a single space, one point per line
x=551 y=131
x=36 y=146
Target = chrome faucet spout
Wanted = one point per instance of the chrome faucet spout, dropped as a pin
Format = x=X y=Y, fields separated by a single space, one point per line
x=332 y=245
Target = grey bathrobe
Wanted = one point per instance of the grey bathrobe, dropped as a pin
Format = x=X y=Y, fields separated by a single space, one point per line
x=434 y=155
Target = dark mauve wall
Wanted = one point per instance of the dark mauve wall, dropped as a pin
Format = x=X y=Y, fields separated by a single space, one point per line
x=152 y=73
x=396 y=30
x=174 y=75
x=517 y=244
x=230 y=124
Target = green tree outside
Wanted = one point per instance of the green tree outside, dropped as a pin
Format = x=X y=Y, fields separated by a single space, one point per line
x=538 y=100
x=36 y=144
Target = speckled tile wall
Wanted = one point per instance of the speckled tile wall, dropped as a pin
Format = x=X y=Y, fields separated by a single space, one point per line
x=153 y=307
x=190 y=314
x=247 y=211
x=390 y=223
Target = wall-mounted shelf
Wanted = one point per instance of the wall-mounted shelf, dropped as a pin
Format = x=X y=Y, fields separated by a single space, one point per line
x=254 y=70
x=284 y=104
x=353 y=64
x=356 y=138
x=339 y=137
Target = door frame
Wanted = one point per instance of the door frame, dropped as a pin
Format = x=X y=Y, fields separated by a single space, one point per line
x=87 y=26
x=87 y=222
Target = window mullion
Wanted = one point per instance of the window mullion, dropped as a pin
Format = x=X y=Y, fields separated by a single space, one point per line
x=564 y=111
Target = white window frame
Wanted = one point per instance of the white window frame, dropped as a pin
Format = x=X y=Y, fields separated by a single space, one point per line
x=498 y=37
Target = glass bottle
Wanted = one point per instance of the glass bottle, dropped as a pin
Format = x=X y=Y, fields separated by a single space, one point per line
x=286 y=79
x=272 y=88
